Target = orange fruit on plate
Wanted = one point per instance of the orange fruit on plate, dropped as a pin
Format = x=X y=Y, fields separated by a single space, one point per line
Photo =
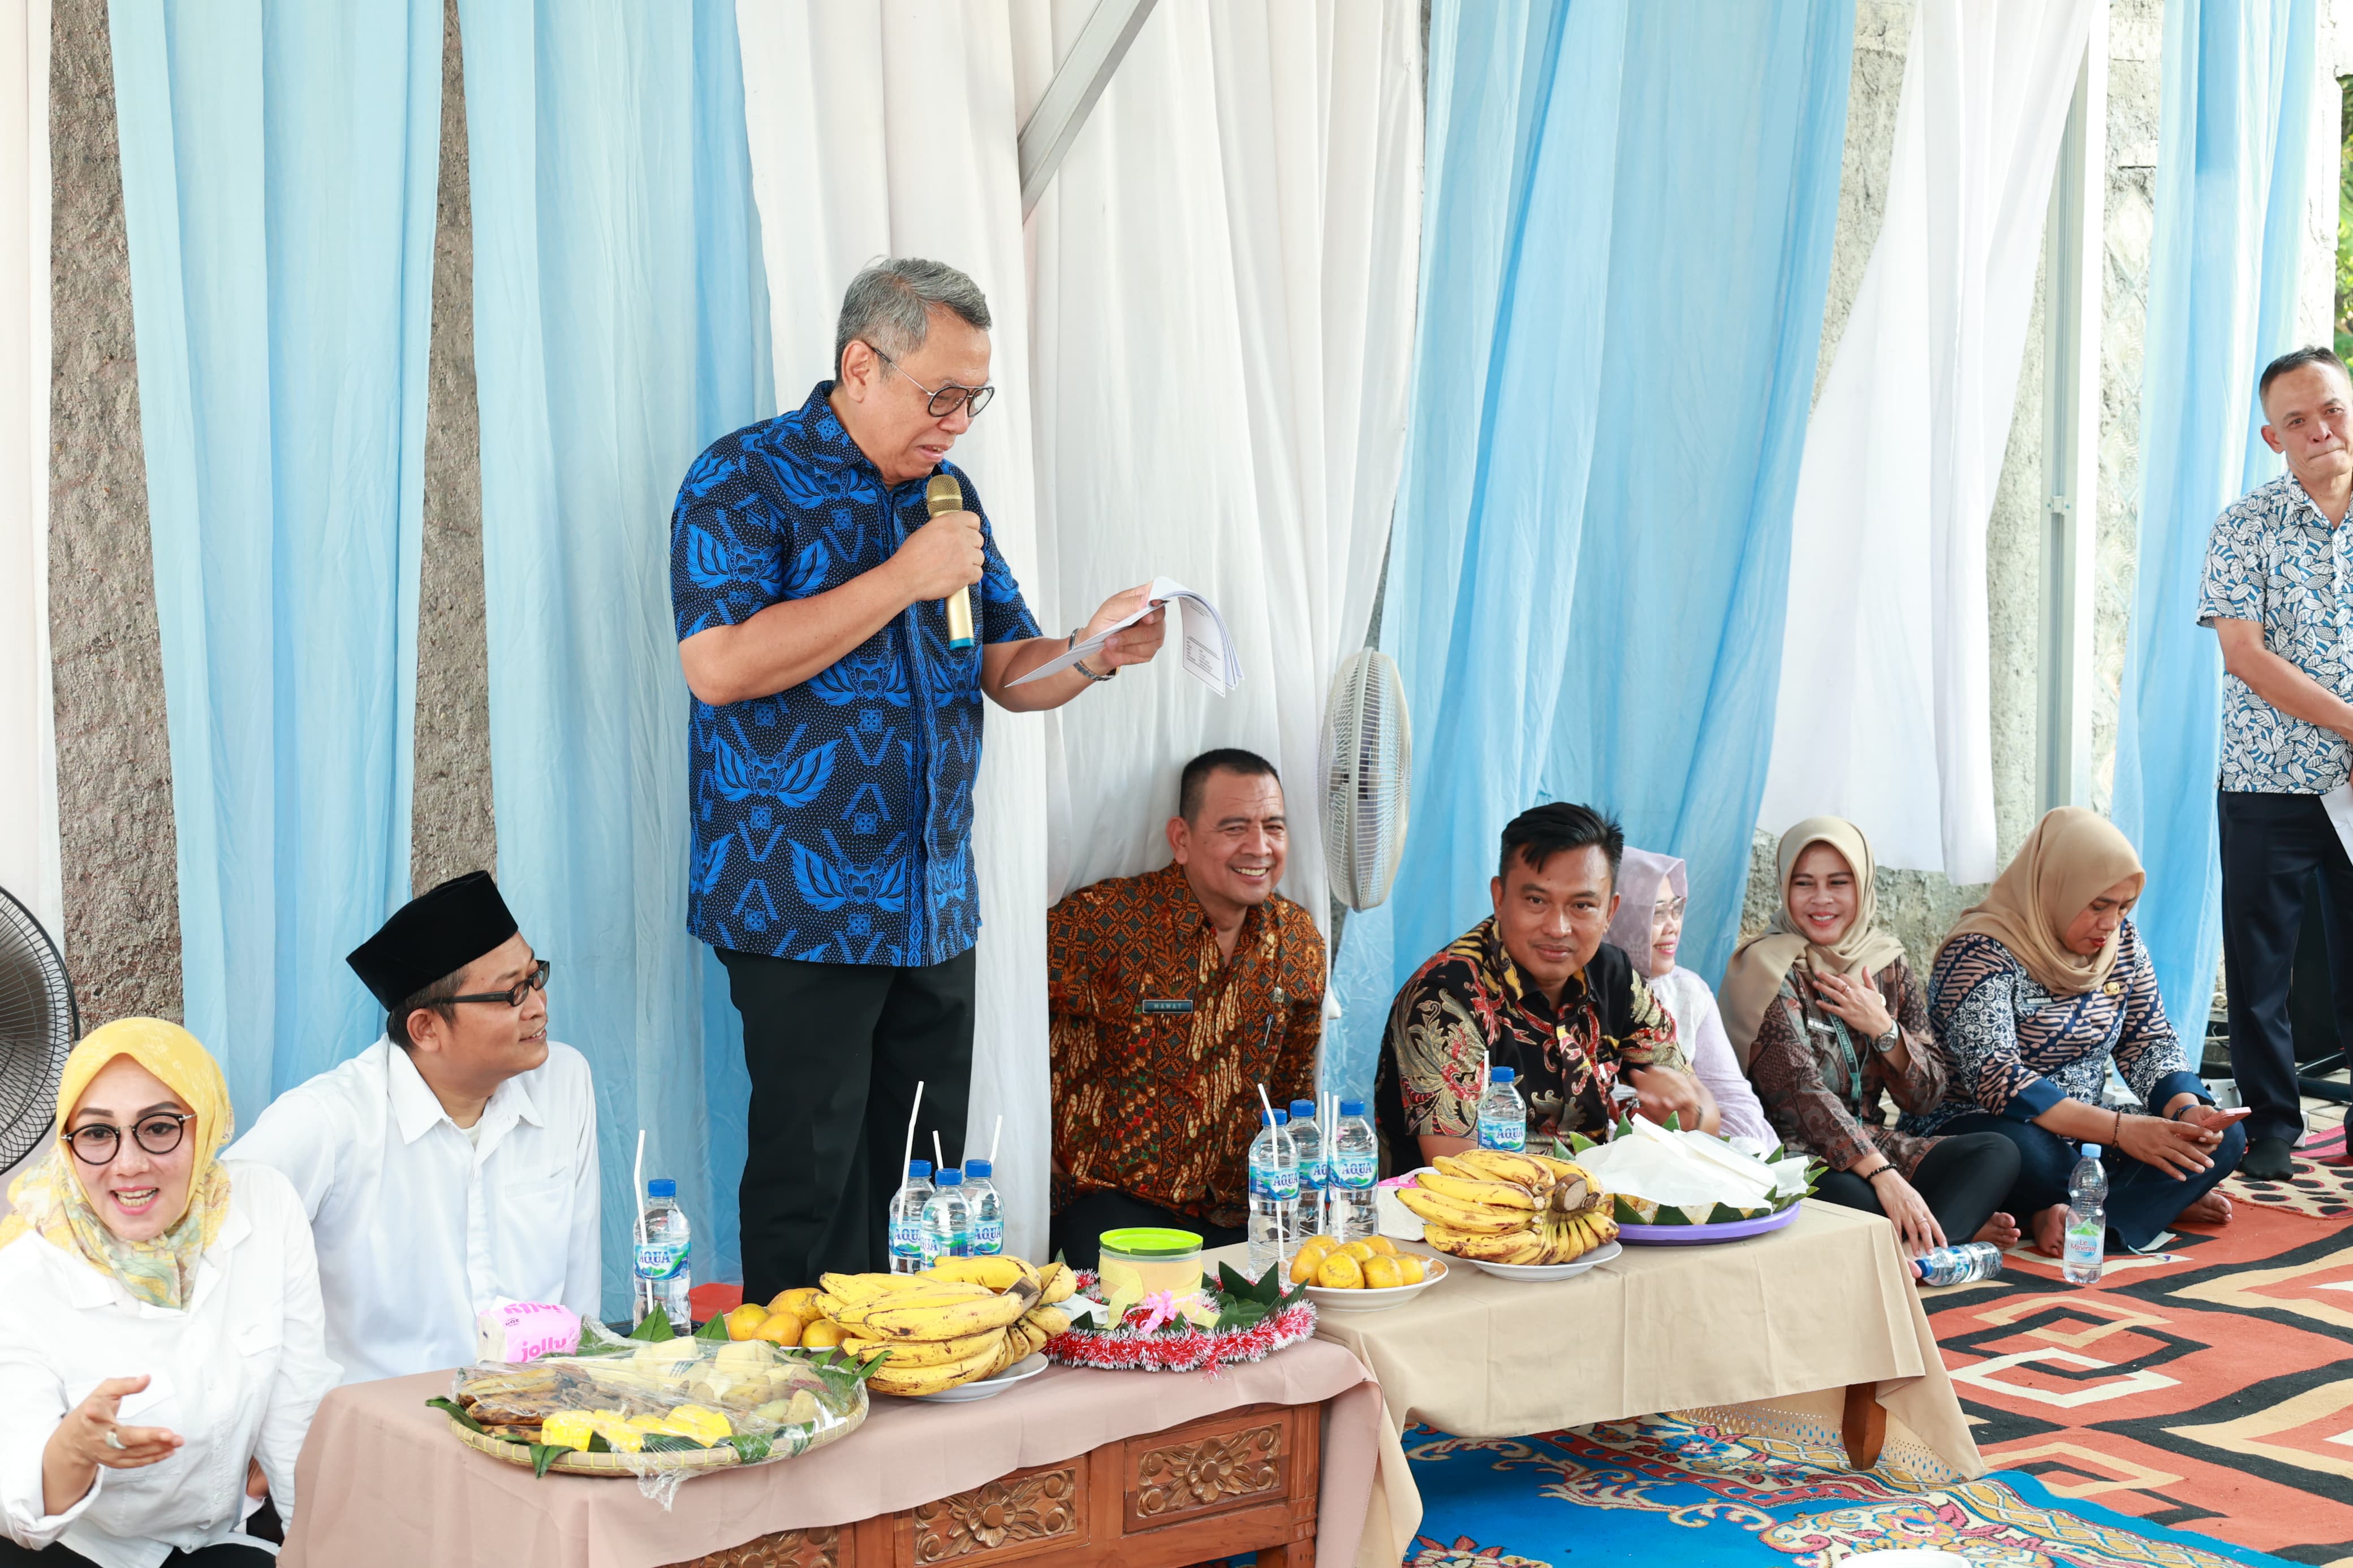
x=780 y=1329
x=1383 y=1274
x=1359 y=1250
x=1382 y=1245
x=823 y=1335
x=1341 y=1272
x=1304 y=1266
x=744 y=1319
x=1411 y=1271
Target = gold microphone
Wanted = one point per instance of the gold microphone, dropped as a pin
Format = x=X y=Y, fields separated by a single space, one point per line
x=944 y=495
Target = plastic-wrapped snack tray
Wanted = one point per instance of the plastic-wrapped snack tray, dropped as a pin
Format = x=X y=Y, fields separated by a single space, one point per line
x=671 y=1407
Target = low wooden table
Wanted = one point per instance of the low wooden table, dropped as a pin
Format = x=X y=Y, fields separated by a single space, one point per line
x=1243 y=1481
x=1148 y=1470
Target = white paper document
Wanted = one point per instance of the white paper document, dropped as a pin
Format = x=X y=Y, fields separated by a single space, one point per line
x=2338 y=803
x=1208 y=652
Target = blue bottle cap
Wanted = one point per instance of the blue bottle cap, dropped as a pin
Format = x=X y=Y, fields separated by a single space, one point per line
x=951 y=1177
x=1275 y=1119
x=919 y=1170
x=977 y=1168
x=2091 y=1150
x=1351 y=1108
x=1501 y=1074
x=660 y=1187
x=1302 y=1110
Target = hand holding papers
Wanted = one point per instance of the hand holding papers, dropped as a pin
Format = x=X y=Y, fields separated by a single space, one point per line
x=1209 y=654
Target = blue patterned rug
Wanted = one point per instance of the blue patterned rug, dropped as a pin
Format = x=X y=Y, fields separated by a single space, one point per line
x=1664 y=1492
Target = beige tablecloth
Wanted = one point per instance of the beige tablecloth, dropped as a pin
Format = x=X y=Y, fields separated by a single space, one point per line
x=381 y=1484
x=1806 y=1311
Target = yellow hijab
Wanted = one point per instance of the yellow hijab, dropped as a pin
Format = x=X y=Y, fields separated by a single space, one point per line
x=1759 y=965
x=2072 y=857
x=49 y=1198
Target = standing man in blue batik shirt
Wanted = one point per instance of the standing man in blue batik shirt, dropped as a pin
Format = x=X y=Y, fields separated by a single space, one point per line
x=834 y=742
x=2279 y=593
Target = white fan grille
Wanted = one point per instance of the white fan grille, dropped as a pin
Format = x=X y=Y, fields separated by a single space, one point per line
x=1368 y=768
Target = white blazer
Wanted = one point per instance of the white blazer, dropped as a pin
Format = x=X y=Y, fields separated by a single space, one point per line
x=236 y=1374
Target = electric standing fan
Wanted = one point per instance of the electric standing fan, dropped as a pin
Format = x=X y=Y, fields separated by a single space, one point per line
x=1368 y=769
x=37 y=1028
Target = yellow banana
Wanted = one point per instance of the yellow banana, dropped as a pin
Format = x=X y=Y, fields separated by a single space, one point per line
x=1512 y=1246
x=1456 y=1215
x=1561 y=1169
x=849 y=1288
x=950 y=1319
x=1012 y=1346
x=1050 y=1321
x=905 y=1354
x=996 y=1273
x=943 y=1375
x=1056 y=1283
x=1497 y=1165
x=943 y=1293
x=1471 y=1190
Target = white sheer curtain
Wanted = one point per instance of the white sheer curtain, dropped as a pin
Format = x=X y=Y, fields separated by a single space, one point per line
x=28 y=785
x=1225 y=274
x=889 y=131
x=1202 y=359
x=1885 y=712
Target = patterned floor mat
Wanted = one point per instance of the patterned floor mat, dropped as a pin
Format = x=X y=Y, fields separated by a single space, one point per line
x=2207 y=1387
x=1667 y=1491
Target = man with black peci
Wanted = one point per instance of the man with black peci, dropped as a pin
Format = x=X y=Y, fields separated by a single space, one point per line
x=834 y=741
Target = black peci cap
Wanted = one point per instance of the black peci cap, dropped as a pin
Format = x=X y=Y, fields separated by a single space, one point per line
x=433 y=934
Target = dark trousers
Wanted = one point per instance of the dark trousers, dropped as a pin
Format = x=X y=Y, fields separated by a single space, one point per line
x=2271 y=846
x=228 y=1554
x=1961 y=1180
x=1078 y=1230
x=2142 y=1199
x=834 y=1051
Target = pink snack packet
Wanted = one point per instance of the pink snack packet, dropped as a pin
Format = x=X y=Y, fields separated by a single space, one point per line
x=516 y=1331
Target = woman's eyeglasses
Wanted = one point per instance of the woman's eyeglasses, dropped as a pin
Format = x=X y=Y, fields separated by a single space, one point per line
x=97 y=1142
x=514 y=996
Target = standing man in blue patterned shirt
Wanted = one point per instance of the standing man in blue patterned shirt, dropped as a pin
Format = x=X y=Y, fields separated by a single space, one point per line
x=833 y=749
x=2279 y=592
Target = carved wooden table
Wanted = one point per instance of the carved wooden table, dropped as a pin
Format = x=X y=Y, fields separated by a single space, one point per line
x=1244 y=1480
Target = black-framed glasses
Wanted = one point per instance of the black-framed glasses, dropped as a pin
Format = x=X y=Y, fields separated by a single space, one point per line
x=158 y=1132
x=948 y=398
x=514 y=996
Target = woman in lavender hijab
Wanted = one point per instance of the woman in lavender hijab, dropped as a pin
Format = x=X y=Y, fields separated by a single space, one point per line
x=1647 y=928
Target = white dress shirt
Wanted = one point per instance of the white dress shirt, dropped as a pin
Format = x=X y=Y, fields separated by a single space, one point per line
x=236 y=1374
x=1698 y=1025
x=419 y=1225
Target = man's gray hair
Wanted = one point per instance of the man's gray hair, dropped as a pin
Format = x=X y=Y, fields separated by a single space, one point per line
x=888 y=305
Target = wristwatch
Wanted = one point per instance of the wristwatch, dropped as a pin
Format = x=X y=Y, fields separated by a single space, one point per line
x=1886 y=1042
x=1080 y=664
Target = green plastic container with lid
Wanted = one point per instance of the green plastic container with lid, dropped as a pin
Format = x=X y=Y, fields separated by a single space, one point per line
x=1142 y=1259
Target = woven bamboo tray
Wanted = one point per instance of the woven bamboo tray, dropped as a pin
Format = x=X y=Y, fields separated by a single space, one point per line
x=690 y=1461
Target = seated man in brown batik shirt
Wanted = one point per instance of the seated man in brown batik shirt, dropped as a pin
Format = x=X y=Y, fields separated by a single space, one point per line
x=1174 y=995
x=1534 y=988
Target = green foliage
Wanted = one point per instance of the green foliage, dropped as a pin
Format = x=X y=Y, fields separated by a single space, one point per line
x=750 y=1446
x=655 y=1328
x=459 y=1413
x=715 y=1329
x=544 y=1455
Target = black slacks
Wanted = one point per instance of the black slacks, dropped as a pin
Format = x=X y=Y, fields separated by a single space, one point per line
x=2142 y=1200
x=2271 y=846
x=834 y=1051
x=1078 y=1230
x=1962 y=1180
x=228 y=1554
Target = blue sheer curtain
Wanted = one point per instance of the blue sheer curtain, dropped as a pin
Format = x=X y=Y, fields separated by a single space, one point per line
x=1628 y=212
x=2230 y=171
x=277 y=184
x=619 y=326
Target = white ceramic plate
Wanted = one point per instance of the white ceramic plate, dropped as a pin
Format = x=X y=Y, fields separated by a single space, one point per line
x=988 y=1387
x=1532 y=1273
x=1331 y=1300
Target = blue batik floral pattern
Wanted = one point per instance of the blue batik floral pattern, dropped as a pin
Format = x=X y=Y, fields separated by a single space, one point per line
x=833 y=820
x=2275 y=559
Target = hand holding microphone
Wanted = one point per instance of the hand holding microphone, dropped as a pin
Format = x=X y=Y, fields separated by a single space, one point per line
x=943 y=558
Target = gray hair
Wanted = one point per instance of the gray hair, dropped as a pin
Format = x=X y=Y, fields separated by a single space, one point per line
x=888 y=305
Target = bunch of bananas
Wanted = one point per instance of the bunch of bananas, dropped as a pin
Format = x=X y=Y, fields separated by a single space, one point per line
x=1495 y=1207
x=960 y=1320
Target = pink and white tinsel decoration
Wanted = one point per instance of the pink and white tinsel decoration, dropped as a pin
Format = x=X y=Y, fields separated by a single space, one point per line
x=1142 y=1344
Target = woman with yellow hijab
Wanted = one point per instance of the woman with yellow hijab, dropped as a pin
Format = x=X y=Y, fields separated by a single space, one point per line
x=1829 y=1022
x=164 y=1347
x=2033 y=993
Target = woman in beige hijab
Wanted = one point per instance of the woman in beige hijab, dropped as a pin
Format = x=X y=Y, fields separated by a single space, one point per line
x=1828 y=1020
x=2035 y=992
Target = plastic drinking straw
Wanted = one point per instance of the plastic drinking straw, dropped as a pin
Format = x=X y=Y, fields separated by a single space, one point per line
x=637 y=1179
x=1279 y=1140
x=907 y=1155
x=993 y=1139
x=939 y=1161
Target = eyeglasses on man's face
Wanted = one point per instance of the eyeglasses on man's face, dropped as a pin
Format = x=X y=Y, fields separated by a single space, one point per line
x=948 y=398
x=158 y=1132
x=514 y=996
